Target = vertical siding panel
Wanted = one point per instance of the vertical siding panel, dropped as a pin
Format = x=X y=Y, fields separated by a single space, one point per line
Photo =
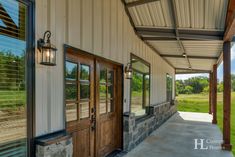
x=120 y=29
x=106 y=28
x=97 y=27
x=114 y=50
x=125 y=57
x=74 y=23
x=59 y=16
x=51 y=71
x=87 y=25
x=125 y=41
x=41 y=80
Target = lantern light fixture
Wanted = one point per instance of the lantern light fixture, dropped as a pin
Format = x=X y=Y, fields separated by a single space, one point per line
x=47 y=50
x=128 y=71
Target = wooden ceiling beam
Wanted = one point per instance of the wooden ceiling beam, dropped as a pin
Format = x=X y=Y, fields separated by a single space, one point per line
x=230 y=21
x=230 y=29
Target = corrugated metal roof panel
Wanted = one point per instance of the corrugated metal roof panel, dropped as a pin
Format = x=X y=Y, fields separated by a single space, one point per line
x=203 y=48
x=202 y=64
x=155 y=14
x=191 y=14
x=178 y=62
x=166 y=47
x=201 y=14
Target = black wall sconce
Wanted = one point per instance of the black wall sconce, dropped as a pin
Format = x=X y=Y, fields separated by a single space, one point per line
x=128 y=71
x=47 y=50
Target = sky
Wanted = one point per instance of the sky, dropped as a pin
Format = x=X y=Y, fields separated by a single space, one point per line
x=219 y=69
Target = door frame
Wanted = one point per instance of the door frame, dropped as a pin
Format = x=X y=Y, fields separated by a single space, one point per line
x=85 y=53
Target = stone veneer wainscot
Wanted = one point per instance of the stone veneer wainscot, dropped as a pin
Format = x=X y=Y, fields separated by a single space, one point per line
x=136 y=131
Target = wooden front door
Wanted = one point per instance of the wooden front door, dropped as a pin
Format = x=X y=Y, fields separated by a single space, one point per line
x=108 y=107
x=80 y=111
x=93 y=104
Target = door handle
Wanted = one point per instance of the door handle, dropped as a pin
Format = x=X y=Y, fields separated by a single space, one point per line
x=93 y=110
x=93 y=122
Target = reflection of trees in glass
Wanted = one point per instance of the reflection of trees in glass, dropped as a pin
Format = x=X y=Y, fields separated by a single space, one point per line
x=71 y=71
x=71 y=92
x=140 y=86
x=103 y=75
x=103 y=91
x=84 y=91
x=12 y=69
x=85 y=72
x=137 y=82
x=169 y=86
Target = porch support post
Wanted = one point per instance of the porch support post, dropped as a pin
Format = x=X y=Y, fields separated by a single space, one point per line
x=210 y=92
x=227 y=96
x=214 y=94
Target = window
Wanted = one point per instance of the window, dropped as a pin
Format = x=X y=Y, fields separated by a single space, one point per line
x=140 y=87
x=106 y=90
x=77 y=91
x=169 y=87
x=14 y=101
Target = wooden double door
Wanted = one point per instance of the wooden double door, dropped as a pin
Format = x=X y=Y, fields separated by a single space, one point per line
x=93 y=89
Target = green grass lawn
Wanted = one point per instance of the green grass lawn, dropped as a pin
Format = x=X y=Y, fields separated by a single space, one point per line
x=12 y=99
x=199 y=103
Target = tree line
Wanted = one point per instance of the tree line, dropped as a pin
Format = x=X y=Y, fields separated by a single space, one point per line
x=200 y=84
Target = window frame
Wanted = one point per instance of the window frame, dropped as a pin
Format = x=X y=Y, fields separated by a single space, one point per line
x=140 y=118
x=171 y=77
x=30 y=75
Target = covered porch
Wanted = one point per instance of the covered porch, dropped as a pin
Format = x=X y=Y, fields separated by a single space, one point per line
x=93 y=77
x=193 y=37
x=177 y=138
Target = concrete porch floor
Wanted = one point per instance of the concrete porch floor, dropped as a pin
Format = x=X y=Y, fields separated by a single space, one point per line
x=176 y=138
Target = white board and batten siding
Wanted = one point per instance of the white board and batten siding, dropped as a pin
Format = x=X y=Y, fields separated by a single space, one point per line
x=100 y=27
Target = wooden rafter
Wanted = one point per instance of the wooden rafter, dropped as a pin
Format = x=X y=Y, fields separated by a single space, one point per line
x=230 y=22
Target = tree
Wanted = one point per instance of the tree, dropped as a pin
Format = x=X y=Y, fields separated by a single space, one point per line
x=220 y=87
x=197 y=85
x=233 y=82
x=206 y=89
x=188 y=90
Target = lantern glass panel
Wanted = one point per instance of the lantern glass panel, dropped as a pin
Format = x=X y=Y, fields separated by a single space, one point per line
x=48 y=56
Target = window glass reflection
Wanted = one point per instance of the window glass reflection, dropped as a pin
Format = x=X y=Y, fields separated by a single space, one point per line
x=71 y=71
x=84 y=91
x=71 y=112
x=140 y=86
x=85 y=72
x=71 y=91
x=13 y=93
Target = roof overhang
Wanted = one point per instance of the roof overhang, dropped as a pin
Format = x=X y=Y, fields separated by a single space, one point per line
x=188 y=36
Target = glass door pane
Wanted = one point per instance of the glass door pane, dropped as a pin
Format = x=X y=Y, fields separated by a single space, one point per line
x=13 y=123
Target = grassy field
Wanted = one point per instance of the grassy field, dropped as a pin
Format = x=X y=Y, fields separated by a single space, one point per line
x=10 y=100
x=199 y=103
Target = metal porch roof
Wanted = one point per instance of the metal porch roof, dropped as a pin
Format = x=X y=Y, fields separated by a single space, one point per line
x=176 y=27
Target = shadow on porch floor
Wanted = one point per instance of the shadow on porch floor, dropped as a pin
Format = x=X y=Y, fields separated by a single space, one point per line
x=176 y=138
